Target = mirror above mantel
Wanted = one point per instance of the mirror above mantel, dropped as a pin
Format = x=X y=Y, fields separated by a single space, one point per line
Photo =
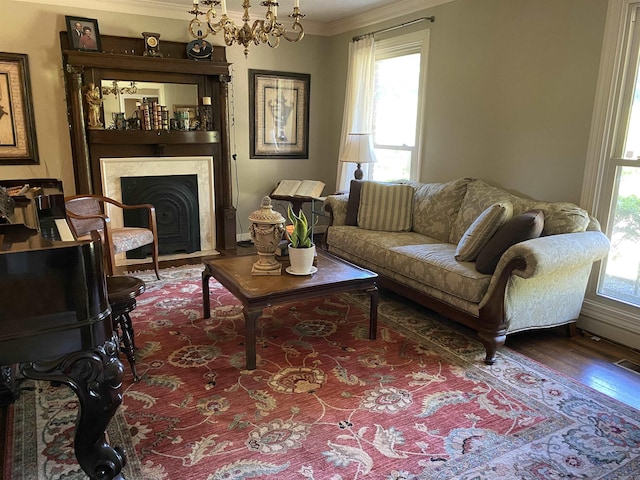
x=126 y=96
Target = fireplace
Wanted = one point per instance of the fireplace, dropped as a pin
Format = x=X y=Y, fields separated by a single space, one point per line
x=200 y=167
x=175 y=198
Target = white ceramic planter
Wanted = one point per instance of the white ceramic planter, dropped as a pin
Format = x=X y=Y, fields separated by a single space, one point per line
x=301 y=259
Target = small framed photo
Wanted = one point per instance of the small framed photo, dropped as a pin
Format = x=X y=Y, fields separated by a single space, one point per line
x=18 y=144
x=83 y=33
x=279 y=113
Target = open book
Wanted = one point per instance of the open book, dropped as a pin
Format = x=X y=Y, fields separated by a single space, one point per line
x=299 y=188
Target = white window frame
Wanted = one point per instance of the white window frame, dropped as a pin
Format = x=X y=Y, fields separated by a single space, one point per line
x=410 y=43
x=600 y=315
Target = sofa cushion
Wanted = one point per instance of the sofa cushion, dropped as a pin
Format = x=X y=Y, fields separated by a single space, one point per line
x=481 y=230
x=520 y=228
x=436 y=206
x=369 y=248
x=478 y=197
x=434 y=265
x=354 y=202
x=385 y=207
x=561 y=217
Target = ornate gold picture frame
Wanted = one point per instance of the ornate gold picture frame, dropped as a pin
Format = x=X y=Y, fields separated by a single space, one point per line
x=18 y=144
x=279 y=113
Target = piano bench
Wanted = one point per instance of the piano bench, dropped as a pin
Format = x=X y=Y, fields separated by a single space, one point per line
x=122 y=292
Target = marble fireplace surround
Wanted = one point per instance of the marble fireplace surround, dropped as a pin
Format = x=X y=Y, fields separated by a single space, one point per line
x=111 y=169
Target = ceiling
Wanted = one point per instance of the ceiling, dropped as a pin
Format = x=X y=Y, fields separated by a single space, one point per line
x=322 y=17
x=327 y=11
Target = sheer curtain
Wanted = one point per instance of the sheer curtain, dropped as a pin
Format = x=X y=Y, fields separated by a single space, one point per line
x=358 y=103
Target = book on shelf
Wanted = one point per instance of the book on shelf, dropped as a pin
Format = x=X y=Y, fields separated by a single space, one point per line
x=299 y=188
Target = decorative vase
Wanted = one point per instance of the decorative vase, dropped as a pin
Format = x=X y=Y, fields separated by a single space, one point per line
x=301 y=260
x=267 y=227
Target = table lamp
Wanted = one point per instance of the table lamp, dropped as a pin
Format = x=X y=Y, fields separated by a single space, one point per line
x=359 y=149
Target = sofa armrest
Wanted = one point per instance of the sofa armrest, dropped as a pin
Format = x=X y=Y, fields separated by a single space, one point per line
x=548 y=256
x=336 y=205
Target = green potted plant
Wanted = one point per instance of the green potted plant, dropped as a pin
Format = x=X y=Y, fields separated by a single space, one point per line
x=301 y=247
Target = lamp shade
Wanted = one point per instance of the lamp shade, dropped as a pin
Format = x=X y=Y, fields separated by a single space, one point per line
x=359 y=149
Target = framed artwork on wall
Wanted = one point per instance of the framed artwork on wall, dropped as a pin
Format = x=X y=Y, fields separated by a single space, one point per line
x=279 y=113
x=18 y=144
x=84 y=33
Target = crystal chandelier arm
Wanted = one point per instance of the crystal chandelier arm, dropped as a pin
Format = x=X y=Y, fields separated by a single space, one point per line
x=259 y=32
x=215 y=27
x=296 y=15
x=273 y=40
x=196 y=28
x=271 y=19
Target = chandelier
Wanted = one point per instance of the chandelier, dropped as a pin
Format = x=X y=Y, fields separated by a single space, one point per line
x=117 y=90
x=269 y=30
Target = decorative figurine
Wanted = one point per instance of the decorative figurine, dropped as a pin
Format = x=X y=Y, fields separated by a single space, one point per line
x=94 y=101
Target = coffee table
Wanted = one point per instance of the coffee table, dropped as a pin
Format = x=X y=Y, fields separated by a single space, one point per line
x=334 y=275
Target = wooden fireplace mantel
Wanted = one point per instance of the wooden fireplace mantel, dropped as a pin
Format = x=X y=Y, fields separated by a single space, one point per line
x=122 y=59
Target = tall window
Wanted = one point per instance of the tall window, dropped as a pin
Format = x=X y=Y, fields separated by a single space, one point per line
x=613 y=170
x=398 y=106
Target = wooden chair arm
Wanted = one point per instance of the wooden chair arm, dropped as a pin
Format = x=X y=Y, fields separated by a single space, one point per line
x=105 y=220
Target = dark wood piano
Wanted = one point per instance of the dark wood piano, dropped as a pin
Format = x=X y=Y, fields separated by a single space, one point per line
x=55 y=325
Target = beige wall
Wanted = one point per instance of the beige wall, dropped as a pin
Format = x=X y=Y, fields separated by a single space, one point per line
x=516 y=106
x=510 y=93
x=511 y=88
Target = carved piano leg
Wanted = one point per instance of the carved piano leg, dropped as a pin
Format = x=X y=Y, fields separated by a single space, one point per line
x=96 y=378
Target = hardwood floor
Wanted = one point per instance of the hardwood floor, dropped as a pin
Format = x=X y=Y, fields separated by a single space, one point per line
x=584 y=357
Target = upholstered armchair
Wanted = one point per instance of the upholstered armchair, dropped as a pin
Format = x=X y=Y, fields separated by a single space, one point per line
x=86 y=213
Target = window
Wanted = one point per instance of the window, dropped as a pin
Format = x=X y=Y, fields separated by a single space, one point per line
x=620 y=275
x=398 y=105
x=612 y=180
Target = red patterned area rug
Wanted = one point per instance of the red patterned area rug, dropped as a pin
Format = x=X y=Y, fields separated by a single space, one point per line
x=325 y=403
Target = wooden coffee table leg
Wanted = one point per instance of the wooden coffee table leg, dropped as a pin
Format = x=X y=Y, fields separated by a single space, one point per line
x=373 y=312
x=251 y=316
x=206 y=303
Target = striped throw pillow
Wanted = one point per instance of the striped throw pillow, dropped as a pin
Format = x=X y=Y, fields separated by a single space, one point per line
x=385 y=207
x=481 y=231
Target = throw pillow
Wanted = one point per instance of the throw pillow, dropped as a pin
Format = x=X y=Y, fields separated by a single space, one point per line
x=385 y=207
x=520 y=228
x=354 y=202
x=436 y=207
x=481 y=230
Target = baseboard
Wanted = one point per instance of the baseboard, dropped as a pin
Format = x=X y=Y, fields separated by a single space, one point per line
x=610 y=323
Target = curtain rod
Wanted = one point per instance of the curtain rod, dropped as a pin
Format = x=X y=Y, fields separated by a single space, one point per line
x=406 y=24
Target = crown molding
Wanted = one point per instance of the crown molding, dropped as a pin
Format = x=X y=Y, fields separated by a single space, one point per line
x=164 y=9
x=389 y=11
x=149 y=8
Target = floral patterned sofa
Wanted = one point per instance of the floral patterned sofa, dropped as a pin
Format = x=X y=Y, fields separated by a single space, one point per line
x=427 y=240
